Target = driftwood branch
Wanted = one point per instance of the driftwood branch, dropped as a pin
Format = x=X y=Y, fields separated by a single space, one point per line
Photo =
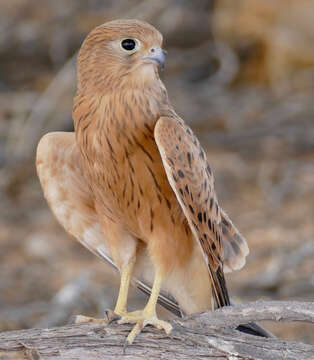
x=210 y=335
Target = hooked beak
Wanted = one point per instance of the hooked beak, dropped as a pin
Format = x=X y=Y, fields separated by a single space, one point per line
x=157 y=56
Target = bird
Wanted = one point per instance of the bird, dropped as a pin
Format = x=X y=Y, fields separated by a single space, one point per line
x=133 y=184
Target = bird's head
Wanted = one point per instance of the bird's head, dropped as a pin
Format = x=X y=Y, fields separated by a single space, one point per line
x=119 y=52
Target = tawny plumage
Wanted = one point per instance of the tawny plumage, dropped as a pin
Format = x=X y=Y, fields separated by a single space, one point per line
x=133 y=184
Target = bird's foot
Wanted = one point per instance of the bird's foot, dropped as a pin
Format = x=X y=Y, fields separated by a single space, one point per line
x=141 y=319
x=111 y=316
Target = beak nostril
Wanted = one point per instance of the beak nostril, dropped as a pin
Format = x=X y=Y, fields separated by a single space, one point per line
x=156 y=56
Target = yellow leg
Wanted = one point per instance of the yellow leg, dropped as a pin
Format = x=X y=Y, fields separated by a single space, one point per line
x=140 y=318
x=148 y=315
x=150 y=308
x=120 y=308
x=126 y=273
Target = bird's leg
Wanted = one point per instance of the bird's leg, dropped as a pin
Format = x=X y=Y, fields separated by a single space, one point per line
x=148 y=315
x=142 y=318
x=126 y=272
x=120 y=308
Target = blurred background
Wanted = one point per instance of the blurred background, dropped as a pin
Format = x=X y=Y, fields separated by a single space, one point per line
x=241 y=73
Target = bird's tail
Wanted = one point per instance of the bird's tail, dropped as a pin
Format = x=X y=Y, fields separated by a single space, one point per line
x=221 y=298
x=219 y=288
x=254 y=329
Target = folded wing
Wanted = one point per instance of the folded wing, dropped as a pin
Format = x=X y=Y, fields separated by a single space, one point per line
x=191 y=179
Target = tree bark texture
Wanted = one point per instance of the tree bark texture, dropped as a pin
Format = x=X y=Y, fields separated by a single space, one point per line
x=209 y=335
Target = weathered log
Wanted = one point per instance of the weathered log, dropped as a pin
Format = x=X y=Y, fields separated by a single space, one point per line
x=210 y=335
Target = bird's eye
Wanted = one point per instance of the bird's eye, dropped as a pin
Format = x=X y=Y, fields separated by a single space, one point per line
x=128 y=44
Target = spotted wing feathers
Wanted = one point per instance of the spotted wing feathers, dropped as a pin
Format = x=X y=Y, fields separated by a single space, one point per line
x=191 y=178
x=234 y=245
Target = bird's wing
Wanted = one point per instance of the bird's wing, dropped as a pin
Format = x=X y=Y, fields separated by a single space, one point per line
x=60 y=173
x=67 y=193
x=234 y=244
x=191 y=179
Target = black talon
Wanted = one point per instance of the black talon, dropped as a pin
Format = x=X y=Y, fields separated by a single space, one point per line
x=113 y=319
x=126 y=344
x=112 y=316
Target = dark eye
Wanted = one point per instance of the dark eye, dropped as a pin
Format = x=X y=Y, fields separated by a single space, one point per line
x=128 y=44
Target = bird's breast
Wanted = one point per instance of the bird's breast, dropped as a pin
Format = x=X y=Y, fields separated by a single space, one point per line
x=135 y=178
x=125 y=169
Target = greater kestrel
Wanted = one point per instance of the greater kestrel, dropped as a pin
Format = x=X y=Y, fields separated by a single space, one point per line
x=133 y=184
